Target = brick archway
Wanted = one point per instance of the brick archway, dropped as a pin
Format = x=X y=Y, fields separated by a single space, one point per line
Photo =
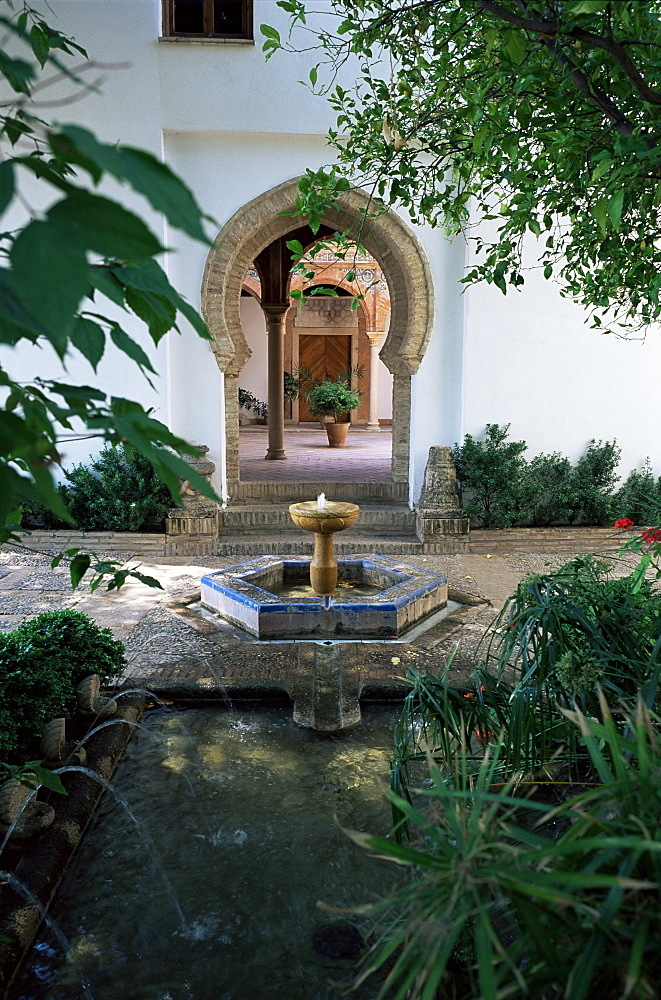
x=387 y=237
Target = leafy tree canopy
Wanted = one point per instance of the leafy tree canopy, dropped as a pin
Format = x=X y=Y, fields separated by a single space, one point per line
x=536 y=116
x=61 y=270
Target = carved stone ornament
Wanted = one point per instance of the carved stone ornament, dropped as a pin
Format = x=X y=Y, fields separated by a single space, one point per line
x=205 y=468
x=20 y=812
x=439 y=510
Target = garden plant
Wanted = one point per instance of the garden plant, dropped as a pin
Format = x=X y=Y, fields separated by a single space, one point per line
x=502 y=488
x=41 y=663
x=117 y=491
x=526 y=804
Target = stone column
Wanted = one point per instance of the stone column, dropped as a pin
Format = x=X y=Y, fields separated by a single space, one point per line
x=275 y=330
x=375 y=338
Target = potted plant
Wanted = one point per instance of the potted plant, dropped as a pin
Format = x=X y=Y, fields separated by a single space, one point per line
x=336 y=399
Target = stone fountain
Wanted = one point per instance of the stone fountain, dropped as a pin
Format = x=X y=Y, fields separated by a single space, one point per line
x=324 y=518
x=320 y=601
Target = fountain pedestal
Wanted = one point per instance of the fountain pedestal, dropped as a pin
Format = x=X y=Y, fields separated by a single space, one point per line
x=324 y=521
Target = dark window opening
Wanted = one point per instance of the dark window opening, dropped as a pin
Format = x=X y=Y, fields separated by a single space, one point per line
x=208 y=18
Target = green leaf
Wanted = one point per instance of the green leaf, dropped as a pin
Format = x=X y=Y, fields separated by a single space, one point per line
x=270 y=32
x=78 y=567
x=602 y=168
x=166 y=192
x=91 y=222
x=600 y=212
x=159 y=315
x=313 y=75
x=149 y=276
x=614 y=208
x=104 y=279
x=89 y=339
x=18 y=73
x=130 y=348
x=16 y=322
x=50 y=277
x=515 y=45
x=6 y=184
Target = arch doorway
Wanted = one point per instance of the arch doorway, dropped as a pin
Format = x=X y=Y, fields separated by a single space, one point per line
x=255 y=228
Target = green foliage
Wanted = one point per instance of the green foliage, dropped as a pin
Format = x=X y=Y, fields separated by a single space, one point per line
x=514 y=893
x=332 y=397
x=250 y=402
x=575 y=616
x=639 y=497
x=534 y=850
x=32 y=774
x=41 y=663
x=545 y=484
x=490 y=473
x=591 y=487
x=118 y=491
x=502 y=489
x=63 y=268
x=541 y=118
x=293 y=386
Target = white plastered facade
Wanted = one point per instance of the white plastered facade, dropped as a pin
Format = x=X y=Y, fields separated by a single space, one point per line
x=235 y=127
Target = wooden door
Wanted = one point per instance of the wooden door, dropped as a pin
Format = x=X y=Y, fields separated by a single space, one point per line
x=324 y=357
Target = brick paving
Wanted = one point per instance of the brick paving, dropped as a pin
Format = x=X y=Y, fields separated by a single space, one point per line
x=365 y=458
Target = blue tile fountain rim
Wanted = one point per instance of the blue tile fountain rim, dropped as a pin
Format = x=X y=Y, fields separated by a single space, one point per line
x=241 y=591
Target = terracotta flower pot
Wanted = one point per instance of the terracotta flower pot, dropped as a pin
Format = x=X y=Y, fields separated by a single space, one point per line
x=337 y=434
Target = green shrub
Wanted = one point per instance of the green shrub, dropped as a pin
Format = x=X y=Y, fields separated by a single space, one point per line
x=501 y=489
x=490 y=473
x=533 y=851
x=639 y=497
x=580 y=620
x=118 y=491
x=590 y=496
x=332 y=398
x=545 y=483
x=41 y=663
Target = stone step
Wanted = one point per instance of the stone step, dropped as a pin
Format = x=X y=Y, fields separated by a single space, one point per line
x=253 y=545
x=279 y=493
x=251 y=517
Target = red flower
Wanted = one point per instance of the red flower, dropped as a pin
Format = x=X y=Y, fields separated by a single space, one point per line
x=650 y=535
x=625 y=523
x=484 y=736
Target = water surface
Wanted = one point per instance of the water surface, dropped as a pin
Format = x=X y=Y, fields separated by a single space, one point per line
x=244 y=810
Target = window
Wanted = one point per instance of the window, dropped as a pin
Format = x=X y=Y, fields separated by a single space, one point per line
x=207 y=18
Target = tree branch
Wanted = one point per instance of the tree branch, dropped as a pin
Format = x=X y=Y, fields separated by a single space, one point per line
x=554 y=27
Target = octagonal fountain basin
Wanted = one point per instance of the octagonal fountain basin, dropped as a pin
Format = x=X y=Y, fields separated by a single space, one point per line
x=376 y=597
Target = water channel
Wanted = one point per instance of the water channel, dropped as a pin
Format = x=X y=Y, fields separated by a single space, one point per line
x=243 y=809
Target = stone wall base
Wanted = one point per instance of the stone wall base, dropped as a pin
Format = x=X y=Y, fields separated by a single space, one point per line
x=429 y=528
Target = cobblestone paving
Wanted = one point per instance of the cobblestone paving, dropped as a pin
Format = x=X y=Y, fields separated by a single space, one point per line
x=170 y=648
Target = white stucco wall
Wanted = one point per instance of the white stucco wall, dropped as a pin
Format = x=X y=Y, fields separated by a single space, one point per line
x=533 y=361
x=235 y=126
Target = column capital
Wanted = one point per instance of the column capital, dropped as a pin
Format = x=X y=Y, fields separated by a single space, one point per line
x=275 y=311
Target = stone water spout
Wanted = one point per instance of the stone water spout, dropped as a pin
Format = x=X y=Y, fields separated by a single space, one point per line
x=324 y=517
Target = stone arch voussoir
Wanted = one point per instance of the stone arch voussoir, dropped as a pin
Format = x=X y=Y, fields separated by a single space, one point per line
x=386 y=236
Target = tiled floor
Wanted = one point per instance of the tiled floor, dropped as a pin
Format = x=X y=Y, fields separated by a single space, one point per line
x=364 y=459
